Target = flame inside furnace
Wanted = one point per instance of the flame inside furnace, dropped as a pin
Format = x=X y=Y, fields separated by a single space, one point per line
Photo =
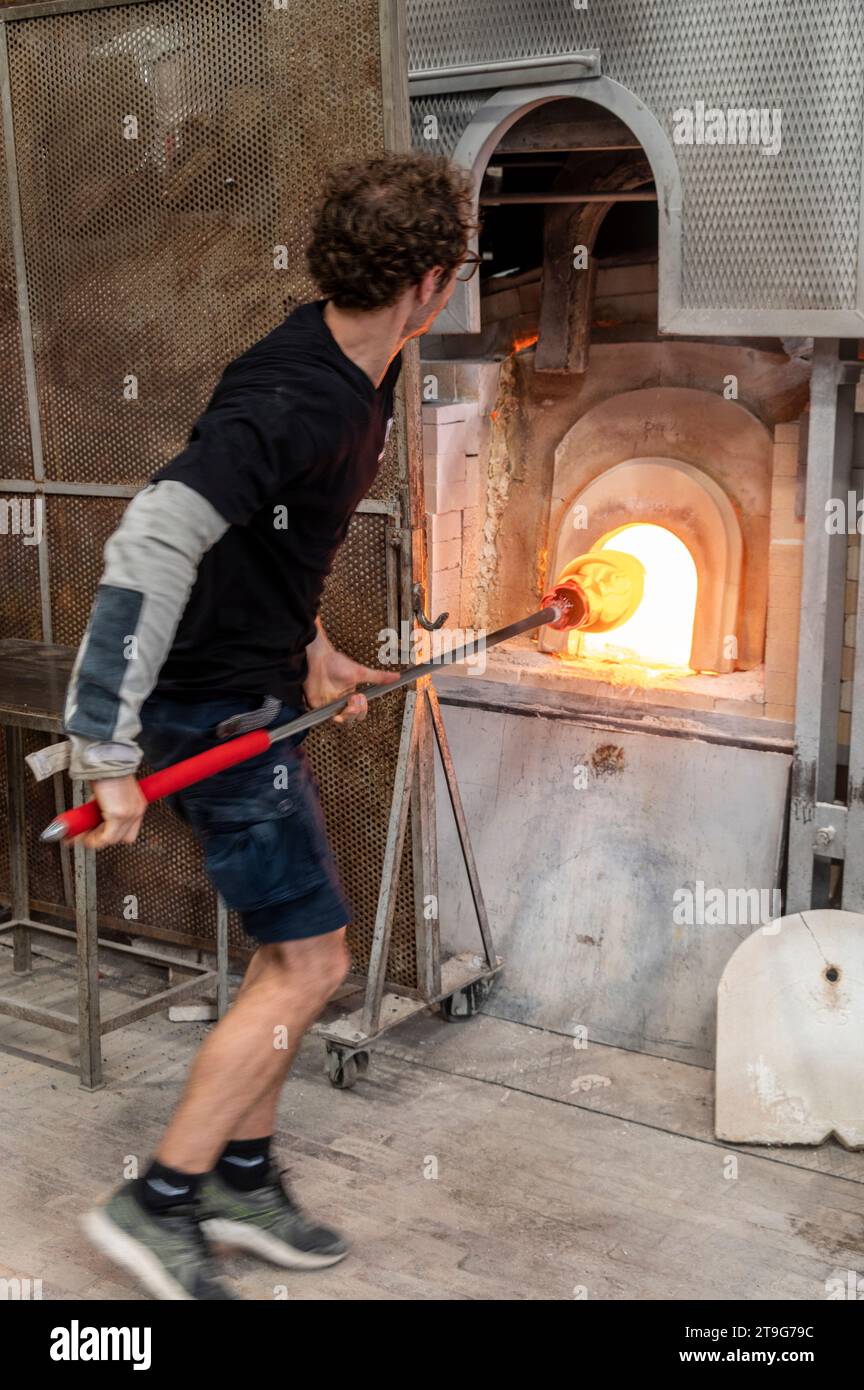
x=654 y=644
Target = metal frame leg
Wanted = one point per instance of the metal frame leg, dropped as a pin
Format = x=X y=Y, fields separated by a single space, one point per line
x=425 y=856
x=461 y=826
x=853 y=863
x=89 y=1019
x=22 y=957
x=350 y=1036
x=820 y=641
x=65 y=858
x=417 y=705
x=392 y=863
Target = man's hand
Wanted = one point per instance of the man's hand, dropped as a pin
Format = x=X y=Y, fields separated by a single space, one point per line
x=332 y=674
x=122 y=804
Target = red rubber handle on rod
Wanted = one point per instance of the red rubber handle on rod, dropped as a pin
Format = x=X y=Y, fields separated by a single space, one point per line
x=170 y=779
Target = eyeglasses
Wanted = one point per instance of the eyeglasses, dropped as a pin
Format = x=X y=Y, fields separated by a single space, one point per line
x=469 y=266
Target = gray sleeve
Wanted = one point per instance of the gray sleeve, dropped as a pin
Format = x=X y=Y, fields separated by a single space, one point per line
x=151 y=562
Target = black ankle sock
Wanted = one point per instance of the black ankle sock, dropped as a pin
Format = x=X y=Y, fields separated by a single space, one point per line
x=162 y=1187
x=245 y=1163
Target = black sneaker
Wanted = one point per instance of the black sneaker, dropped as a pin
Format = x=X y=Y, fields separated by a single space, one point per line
x=165 y=1251
x=269 y=1223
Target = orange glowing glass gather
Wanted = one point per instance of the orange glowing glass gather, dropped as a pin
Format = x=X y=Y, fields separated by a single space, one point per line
x=641 y=584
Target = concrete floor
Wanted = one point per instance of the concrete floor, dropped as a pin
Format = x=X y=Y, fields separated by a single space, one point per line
x=478 y=1160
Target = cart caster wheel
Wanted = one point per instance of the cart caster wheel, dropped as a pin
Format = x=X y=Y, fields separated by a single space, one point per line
x=343 y=1068
x=467 y=1002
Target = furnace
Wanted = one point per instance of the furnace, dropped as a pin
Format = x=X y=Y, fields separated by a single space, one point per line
x=620 y=378
x=582 y=428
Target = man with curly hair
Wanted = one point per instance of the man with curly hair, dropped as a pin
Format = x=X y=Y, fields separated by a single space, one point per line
x=205 y=624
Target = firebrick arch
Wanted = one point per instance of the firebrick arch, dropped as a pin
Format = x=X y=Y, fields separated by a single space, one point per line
x=691 y=461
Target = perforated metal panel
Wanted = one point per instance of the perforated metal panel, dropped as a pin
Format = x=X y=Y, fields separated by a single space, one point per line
x=166 y=152
x=19 y=596
x=162 y=882
x=169 y=156
x=760 y=234
x=77 y=529
x=452 y=114
x=20 y=610
x=15 y=455
x=46 y=881
x=132 y=243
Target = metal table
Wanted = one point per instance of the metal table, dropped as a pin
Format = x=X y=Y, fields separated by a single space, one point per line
x=33 y=680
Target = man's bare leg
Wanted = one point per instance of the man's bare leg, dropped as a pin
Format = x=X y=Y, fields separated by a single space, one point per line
x=239 y=1071
x=260 y=1120
x=153 y=1229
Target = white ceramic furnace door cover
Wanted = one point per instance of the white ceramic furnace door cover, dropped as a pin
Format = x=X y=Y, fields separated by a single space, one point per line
x=790 y=1033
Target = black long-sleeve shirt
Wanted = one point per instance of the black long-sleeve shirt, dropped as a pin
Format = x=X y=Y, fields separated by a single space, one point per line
x=213 y=579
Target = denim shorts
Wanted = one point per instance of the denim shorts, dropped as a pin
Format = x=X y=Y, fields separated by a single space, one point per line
x=260 y=824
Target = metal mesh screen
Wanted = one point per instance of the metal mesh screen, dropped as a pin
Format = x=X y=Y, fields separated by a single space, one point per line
x=759 y=233
x=46 y=881
x=142 y=136
x=451 y=114
x=161 y=883
x=20 y=612
x=77 y=529
x=19 y=594
x=15 y=455
x=169 y=156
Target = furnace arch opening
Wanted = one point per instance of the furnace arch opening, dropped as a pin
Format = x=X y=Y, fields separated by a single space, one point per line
x=492 y=121
x=685 y=501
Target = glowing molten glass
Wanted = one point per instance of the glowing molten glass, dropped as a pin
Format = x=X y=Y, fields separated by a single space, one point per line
x=660 y=632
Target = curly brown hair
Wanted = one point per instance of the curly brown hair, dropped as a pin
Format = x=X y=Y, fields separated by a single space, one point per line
x=381 y=224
